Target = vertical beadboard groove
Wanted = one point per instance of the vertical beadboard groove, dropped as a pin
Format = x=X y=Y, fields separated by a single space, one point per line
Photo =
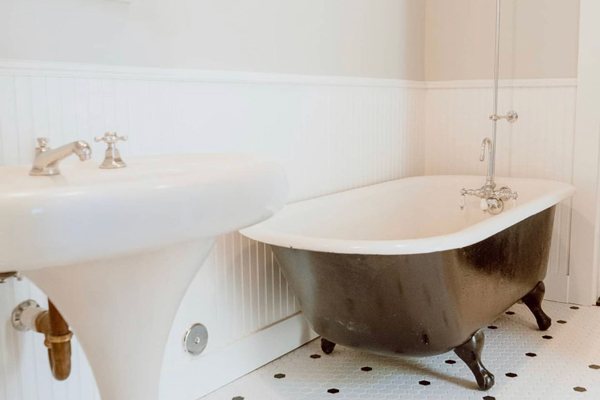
x=539 y=145
x=331 y=137
x=348 y=136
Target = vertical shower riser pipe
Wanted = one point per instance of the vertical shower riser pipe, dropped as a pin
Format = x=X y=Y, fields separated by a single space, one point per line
x=492 y=166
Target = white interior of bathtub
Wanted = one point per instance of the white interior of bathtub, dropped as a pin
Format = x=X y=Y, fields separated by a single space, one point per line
x=406 y=216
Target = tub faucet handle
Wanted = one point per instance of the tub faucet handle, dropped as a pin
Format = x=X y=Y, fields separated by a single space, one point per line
x=483 y=204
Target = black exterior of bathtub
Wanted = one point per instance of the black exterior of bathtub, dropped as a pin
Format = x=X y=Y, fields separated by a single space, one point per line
x=418 y=304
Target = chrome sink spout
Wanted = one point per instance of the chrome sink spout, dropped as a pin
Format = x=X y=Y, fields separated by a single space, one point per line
x=46 y=160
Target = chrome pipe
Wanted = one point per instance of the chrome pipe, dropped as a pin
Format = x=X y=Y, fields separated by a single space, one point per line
x=492 y=200
x=490 y=180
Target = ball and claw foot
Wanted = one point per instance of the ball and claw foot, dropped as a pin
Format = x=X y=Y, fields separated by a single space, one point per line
x=470 y=353
x=327 y=346
x=533 y=300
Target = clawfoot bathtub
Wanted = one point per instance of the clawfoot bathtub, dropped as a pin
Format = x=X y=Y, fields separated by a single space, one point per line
x=398 y=269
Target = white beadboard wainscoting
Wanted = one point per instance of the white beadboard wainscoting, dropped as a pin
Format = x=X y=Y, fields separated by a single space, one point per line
x=539 y=145
x=331 y=133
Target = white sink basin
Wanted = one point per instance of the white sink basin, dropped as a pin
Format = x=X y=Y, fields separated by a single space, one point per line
x=115 y=250
x=87 y=213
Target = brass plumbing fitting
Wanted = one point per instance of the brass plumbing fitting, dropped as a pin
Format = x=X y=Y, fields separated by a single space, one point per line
x=29 y=316
x=5 y=276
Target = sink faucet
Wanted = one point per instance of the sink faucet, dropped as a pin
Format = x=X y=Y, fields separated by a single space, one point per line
x=46 y=160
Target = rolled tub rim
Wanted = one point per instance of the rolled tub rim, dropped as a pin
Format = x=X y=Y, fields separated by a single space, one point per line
x=459 y=239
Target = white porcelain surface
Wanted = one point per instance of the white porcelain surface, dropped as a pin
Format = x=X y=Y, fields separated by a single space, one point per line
x=405 y=216
x=87 y=213
x=116 y=250
x=121 y=311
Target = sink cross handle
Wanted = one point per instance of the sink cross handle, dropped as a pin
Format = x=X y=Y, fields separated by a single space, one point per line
x=110 y=138
x=112 y=157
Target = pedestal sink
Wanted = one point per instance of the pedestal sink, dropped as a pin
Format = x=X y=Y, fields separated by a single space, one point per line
x=115 y=250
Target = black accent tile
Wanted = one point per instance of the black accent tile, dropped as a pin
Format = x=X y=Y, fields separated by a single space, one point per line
x=560 y=321
x=594 y=366
x=531 y=354
x=580 y=389
x=315 y=356
x=333 y=391
x=450 y=362
x=511 y=375
x=547 y=337
x=279 y=376
x=489 y=398
x=492 y=327
x=574 y=308
x=366 y=369
x=510 y=313
x=424 y=383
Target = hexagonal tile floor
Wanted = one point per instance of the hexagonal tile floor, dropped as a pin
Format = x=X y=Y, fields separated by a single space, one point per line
x=561 y=363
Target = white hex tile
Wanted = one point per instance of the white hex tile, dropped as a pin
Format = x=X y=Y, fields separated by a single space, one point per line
x=561 y=364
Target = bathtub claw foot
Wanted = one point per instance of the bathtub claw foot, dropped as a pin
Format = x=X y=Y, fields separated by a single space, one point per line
x=470 y=353
x=533 y=300
x=327 y=346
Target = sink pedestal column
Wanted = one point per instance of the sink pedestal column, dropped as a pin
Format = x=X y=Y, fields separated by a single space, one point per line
x=122 y=309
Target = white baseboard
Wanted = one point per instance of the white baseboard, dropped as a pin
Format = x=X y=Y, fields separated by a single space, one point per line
x=220 y=367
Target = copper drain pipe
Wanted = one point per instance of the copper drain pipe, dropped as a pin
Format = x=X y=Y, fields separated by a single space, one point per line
x=29 y=316
x=58 y=341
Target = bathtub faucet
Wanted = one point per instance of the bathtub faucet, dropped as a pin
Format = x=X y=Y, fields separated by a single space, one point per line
x=489 y=180
x=492 y=200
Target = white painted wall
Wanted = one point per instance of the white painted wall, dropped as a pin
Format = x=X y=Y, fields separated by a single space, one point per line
x=539 y=42
x=585 y=243
x=381 y=39
x=539 y=39
x=540 y=145
x=332 y=134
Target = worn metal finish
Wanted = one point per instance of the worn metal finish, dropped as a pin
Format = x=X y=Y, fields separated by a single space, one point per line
x=29 y=316
x=4 y=276
x=418 y=304
x=58 y=341
x=327 y=346
x=470 y=353
x=533 y=300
